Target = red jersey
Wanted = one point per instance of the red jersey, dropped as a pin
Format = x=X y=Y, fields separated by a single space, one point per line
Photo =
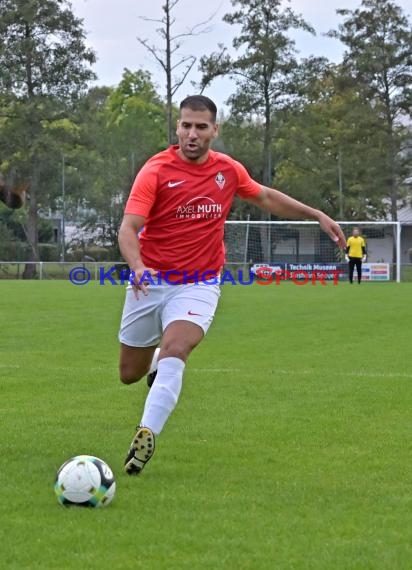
x=185 y=206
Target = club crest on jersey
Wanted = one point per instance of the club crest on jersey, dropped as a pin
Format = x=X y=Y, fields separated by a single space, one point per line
x=220 y=180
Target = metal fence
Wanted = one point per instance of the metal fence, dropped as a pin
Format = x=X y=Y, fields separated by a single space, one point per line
x=115 y=272
x=63 y=270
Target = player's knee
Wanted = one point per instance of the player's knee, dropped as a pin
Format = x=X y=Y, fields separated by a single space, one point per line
x=176 y=348
x=128 y=374
x=126 y=378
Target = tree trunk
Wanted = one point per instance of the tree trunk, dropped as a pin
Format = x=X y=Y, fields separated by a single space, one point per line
x=168 y=75
x=32 y=227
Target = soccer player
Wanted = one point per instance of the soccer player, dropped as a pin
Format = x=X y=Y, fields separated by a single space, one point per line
x=182 y=197
x=355 y=254
x=13 y=197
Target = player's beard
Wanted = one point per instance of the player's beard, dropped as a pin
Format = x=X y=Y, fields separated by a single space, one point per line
x=194 y=151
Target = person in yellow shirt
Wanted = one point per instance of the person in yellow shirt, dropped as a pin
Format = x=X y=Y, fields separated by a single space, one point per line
x=355 y=254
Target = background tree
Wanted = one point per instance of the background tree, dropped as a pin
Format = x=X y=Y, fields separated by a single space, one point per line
x=165 y=56
x=43 y=69
x=121 y=128
x=378 y=37
x=330 y=148
x=263 y=72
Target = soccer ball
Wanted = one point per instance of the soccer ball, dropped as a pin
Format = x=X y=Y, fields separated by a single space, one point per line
x=85 y=481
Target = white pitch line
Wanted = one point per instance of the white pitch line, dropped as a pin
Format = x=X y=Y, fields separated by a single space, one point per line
x=217 y=370
x=278 y=371
x=365 y=374
x=355 y=373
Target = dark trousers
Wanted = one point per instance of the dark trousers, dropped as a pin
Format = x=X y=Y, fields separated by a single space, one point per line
x=352 y=262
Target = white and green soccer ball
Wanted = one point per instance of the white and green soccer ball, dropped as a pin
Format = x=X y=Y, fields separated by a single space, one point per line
x=85 y=481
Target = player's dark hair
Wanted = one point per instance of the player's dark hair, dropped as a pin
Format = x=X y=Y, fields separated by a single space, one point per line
x=199 y=103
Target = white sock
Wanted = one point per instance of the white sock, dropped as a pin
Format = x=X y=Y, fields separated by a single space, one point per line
x=164 y=393
x=153 y=365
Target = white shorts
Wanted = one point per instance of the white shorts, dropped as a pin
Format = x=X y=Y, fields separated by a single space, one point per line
x=145 y=319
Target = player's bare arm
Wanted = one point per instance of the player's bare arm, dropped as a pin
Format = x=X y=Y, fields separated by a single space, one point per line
x=130 y=249
x=284 y=206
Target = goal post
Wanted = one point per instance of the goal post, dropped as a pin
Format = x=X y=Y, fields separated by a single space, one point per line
x=303 y=243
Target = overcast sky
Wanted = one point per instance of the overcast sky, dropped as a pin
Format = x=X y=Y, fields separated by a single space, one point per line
x=112 y=27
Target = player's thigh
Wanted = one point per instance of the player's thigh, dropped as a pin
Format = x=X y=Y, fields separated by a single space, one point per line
x=186 y=317
x=134 y=362
x=141 y=324
x=139 y=334
x=179 y=339
x=193 y=302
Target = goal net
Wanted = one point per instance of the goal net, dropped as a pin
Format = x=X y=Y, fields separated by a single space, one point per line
x=301 y=245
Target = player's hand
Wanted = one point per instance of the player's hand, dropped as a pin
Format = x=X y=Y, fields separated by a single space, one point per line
x=346 y=257
x=333 y=230
x=364 y=258
x=141 y=277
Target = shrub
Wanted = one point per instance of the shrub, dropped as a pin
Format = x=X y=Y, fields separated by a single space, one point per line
x=49 y=252
x=95 y=252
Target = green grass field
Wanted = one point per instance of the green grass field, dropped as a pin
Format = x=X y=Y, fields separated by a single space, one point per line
x=290 y=448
